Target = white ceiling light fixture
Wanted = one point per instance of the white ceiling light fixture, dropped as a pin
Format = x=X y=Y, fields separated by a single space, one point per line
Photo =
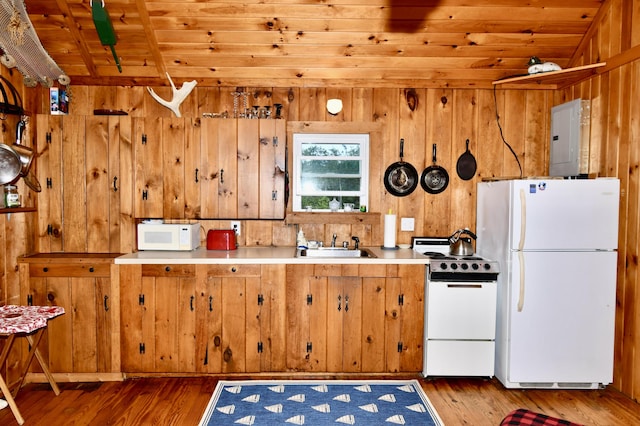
x=334 y=106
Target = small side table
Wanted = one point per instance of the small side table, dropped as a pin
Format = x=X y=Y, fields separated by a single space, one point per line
x=29 y=322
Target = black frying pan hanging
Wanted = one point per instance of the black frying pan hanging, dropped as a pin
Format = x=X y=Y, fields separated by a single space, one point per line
x=401 y=178
x=434 y=179
x=466 y=165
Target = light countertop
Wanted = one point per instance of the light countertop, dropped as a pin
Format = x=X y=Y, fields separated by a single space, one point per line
x=266 y=255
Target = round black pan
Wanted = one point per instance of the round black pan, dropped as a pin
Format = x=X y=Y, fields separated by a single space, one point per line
x=401 y=178
x=434 y=179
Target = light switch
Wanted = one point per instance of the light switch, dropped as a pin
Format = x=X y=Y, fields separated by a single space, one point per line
x=407 y=224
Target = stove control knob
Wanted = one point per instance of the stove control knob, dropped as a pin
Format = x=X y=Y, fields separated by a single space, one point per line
x=475 y=266
x=464 y=266
x=487 y=266
x=454 y=266
x=443 y=266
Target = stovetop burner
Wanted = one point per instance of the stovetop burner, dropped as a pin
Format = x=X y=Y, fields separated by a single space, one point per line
x=442 y=264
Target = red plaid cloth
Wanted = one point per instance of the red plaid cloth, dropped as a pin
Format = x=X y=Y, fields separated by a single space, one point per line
x=522 y=417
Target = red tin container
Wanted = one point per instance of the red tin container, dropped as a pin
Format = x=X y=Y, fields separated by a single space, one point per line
x=221 y=239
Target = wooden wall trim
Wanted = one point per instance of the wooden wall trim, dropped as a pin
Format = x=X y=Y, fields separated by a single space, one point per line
x=621 y=59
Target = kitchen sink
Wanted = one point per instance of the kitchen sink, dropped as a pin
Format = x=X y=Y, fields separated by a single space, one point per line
x=335 y=252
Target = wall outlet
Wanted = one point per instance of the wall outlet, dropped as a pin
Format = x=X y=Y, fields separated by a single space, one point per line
x=407 y=224
x=235 y=225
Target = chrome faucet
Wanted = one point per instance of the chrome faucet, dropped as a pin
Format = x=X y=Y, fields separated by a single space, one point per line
x=333 y=240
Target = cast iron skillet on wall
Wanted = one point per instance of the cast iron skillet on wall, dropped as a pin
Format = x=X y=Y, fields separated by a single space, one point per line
x=466 y=166
x=434 y=179
x=401 y=178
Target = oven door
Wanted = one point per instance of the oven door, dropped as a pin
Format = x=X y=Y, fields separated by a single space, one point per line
x=461 y=310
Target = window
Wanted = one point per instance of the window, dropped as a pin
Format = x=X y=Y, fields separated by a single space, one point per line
x=328 y=166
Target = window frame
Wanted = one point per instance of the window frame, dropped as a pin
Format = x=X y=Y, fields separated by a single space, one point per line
x=363 y=139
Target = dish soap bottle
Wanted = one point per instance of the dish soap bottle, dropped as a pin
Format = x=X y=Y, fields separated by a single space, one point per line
x=301 y=241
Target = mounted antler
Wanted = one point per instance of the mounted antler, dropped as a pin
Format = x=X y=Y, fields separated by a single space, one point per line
x=179 y=95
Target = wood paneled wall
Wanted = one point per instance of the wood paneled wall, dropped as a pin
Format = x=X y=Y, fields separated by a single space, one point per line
x=615 y=149
x=446 y=117
x=443 y=116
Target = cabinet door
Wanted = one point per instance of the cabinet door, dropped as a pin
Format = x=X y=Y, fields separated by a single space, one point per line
x=147 y=147
x=81 y=341
x=240 y=286
x=266 y=314
x=219 y=165
x=344 y=324
x=49 y=173
x=302 y=302
x=208 y=321
x=405 y=322
x=249 y=161
x=272 y=168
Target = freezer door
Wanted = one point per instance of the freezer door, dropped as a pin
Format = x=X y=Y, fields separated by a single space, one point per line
x=561 y=322
x=564 y=214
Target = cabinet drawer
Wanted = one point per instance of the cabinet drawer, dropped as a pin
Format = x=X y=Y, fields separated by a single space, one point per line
x=459 y=358
x=69 y=270
x=234 y=270
x=168 y=270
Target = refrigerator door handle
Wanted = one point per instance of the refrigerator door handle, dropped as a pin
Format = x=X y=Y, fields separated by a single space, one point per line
x=523 y=233
x=523 y=219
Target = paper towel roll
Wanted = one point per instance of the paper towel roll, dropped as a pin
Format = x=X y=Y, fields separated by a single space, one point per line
x=389 y=231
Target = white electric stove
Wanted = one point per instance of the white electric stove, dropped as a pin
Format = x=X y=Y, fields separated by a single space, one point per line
x=460 y=311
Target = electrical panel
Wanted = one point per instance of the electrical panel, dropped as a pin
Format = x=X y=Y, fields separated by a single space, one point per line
x=569 y=145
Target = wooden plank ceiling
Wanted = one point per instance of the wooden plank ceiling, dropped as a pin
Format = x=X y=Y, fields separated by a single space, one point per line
x=312 y=43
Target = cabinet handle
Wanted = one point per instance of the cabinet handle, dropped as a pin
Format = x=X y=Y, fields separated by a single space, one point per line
x=197 y=175
x=346 y=303
x=191 y=303
x=222 y=176
x=210 y=303
x=45 y=269
x=91 y=269
x=339 y=303
x=234 y=269
x=167 y=269
x=115 y=187
x=106 y=305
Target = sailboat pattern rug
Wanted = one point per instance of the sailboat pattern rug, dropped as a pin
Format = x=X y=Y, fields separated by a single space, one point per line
x=319 y=402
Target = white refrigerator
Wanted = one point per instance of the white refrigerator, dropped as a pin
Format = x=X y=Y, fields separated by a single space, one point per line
x=556 y=241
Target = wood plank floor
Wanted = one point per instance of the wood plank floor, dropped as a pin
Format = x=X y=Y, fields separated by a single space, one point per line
x=181 y=401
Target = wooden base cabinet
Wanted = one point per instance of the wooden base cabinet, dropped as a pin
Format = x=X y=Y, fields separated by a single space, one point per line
x=82 y=344
x=355 y=318
x=202 y=318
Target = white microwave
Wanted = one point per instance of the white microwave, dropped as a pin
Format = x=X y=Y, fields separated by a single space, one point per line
x=168 y=236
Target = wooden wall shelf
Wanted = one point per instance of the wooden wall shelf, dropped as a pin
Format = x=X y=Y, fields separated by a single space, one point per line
x=355 y=218
x=17 y=210
x=552 y=80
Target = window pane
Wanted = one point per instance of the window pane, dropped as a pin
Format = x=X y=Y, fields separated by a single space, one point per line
x=330 y=149
x=326 y=167
x=311 y=184
x=322 y=202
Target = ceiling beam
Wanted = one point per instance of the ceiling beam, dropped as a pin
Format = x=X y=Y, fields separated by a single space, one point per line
x=151 y=37
x=77 y=38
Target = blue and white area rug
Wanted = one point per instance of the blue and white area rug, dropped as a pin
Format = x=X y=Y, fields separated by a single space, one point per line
x=319 y=402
